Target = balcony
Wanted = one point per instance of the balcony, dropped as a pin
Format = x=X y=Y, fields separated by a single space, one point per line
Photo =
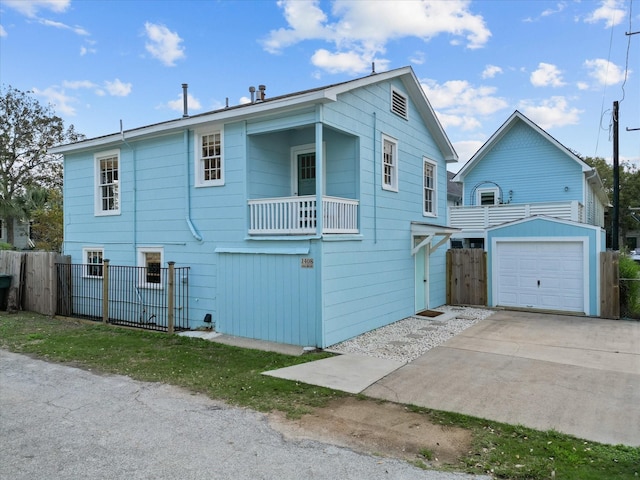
x=297 y=215
x=480 y=217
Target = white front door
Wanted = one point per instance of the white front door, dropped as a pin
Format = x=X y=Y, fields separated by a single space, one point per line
x=546 y=275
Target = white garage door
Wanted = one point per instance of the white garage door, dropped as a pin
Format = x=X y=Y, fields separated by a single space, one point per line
x=544 y=275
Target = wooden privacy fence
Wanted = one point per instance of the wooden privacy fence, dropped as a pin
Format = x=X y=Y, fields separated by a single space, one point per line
x=33 y=283
x=466 y=276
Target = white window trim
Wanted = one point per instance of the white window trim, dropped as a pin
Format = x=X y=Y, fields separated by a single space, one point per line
x=142 y=276
x=97 y=191
x=198 y=169
x=395 y=174
x=494 y=190
x=302 y=149
x=434 y=200
x=86 y=264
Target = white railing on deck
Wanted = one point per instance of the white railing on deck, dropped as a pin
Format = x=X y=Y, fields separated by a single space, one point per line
x=297 y=215
x=481 y=217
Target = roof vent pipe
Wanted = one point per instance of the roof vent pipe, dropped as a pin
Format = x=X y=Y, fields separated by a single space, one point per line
x=253 y=94
x=185 y=106
x=261 y=94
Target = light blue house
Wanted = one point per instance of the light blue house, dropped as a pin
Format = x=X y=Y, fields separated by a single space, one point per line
x=538 y=211
x=305 y=219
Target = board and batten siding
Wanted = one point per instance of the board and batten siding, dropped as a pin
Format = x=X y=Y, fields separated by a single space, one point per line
x=269 y=295
x=529 y=165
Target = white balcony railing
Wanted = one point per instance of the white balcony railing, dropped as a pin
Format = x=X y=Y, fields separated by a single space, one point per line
x=297 y=215
x=481 y=217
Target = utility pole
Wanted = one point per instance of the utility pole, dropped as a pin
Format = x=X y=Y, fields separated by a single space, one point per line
x=615 y=234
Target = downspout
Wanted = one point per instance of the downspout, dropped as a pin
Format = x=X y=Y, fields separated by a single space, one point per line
x=375 y=182
x=187 y=193
x=134 y=199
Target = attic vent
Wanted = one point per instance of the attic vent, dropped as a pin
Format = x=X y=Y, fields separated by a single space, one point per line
x=399 y=103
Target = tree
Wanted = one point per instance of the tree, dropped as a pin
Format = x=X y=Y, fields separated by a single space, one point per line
x=27 y=131
x=629 y=179
x=47 y=219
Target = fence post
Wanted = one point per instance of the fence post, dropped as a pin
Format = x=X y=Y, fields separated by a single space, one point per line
x=170 y=292
x=105 y=291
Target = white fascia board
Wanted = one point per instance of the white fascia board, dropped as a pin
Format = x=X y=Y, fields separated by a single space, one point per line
x=219 y=116
x=545 y=218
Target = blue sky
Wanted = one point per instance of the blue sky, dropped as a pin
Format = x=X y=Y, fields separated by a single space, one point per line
x=561 y=63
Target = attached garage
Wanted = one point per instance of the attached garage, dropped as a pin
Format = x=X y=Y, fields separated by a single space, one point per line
x=545 y=263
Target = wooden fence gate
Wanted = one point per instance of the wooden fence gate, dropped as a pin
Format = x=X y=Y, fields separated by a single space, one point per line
x=466 y=276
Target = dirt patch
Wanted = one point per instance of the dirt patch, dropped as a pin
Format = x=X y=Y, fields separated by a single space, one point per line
x=378 y=428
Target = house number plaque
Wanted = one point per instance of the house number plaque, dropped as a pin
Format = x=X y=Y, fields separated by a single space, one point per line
x=306 y=262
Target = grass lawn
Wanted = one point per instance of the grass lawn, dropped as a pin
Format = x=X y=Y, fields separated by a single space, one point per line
x=234 y=375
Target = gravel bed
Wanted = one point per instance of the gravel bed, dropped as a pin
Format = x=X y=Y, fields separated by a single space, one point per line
x=407 y=339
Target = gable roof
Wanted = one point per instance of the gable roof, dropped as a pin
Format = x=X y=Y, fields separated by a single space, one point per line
x=326 y=94
x=593 y=176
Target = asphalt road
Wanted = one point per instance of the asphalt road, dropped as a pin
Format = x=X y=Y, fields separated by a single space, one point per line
x=59 y=422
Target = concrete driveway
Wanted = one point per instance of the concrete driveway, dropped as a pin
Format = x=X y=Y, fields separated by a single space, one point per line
x=578 y=375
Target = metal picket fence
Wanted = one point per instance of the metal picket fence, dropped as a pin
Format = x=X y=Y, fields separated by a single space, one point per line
x=149 y=298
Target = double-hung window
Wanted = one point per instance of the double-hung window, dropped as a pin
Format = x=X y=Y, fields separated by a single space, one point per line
x=93 y=262
x=150 y=261
x=389 y=163
x=209 y=159
x=429 y=182
x=107 y=183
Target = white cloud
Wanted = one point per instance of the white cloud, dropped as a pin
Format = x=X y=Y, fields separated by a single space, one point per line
x=58 y=99
x=359 y=34
x=552 y=112
x=604 y=72
x=163 y=44
x=465 y=149
x=610 y=11
x=461 y=105
x=30 y=8
x=117 y=88
x=50 y=23
x=3 y=32
x=84 y=50
x=350 y=62
x=547 y=75
x=560 y=6
x=491 y=71
x=460 y=97
x=78 y=84
x=178 y=104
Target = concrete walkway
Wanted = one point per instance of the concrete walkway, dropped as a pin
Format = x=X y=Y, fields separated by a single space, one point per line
x=578 y=375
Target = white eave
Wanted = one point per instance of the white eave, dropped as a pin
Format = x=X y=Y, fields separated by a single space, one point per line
x=278 y=104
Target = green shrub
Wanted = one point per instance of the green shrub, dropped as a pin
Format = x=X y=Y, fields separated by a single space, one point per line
x=5 y=246
x=629 y=288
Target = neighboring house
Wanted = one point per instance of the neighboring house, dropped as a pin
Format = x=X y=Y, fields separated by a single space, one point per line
x=305 y=219
x=538 y=211
x=454 y=191
x=21 y=236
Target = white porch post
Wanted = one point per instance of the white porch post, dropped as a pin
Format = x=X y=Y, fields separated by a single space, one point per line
x=319 y=178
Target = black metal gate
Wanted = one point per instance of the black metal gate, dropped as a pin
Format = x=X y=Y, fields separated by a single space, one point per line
x=153 y=299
